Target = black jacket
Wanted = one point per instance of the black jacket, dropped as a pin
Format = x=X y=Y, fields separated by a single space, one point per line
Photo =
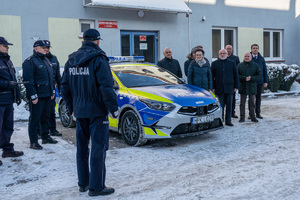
x=235 y=59
x=263 y=68
x=225 y=76
x=246 y=69
x=37 y=70
x=87 y=83
x=172 y=65
x=56 y=70
x=8 y=95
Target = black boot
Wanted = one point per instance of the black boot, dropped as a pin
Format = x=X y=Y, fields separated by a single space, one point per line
x=105 y=191
x=12 y=153
x=0 y=162
x=55 y=133
x=49 y=140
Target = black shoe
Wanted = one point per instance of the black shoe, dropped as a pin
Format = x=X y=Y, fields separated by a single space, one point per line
x=234 y=116
x=1 y=163
x=259 y=116
x=105 y=191
x=55 y=133
x=229 y=124
x=242 y=120
x=254 y=120
x=12 y=153
x=83 y=188
x=36 y=146
x=49 y=140
x=249 y=117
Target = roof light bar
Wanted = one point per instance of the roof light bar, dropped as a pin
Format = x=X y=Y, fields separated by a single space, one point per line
x=126 y=58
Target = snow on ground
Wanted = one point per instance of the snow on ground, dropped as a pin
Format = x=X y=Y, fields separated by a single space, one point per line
x=247 y=161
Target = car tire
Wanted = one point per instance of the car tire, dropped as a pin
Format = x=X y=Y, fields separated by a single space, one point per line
x=131 y=129
x=65 y=117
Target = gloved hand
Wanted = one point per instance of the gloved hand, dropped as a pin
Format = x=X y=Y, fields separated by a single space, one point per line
x=115 y=114
x=12 y=84
x=19 y=101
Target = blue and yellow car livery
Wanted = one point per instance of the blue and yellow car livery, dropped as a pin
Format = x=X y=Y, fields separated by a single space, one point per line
x=155 y=104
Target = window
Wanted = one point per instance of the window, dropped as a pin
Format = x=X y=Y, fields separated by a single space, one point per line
x=273 y=44
x=85 y=25
x=222 y=37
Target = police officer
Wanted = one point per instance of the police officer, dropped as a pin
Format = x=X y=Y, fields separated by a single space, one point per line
x=87 y=89
x=56 y=81
x=39 y=90
x=9 y=94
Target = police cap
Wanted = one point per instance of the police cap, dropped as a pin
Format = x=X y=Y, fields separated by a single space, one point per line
x=91 y=35
x=39 y=43
x=48 y=44
x=3 y=41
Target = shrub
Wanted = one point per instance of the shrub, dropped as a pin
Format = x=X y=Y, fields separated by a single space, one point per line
x=289 y=74
x=275 y=76
x=282 y=76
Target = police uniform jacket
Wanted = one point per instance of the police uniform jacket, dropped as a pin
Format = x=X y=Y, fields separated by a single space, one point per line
x=225 y=76
x=87 y=83
x=246 y=69
x=55 y=69
x=263 y=68
x=38 y=72
x=8 y=95
x=172 y=65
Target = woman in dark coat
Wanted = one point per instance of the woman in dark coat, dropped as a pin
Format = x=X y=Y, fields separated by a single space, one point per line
x=199 y=73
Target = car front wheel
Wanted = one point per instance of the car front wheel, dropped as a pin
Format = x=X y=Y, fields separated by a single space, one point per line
x=66 y=117
x=131 y=129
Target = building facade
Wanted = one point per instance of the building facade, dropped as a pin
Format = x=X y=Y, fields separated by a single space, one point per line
x=138 y=27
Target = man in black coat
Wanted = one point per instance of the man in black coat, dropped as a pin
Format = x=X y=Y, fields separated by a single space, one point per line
x=263 y=81
x=169 y=63
x=249 y=73
x=235 y=59
x=56 y=82
x=225 y=82
x=9 y=94
x=87 y=89
x=37 y=72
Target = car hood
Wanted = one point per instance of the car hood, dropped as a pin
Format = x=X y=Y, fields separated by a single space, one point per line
x=184 y=95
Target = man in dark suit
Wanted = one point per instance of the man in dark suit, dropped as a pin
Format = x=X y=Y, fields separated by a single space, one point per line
x=169 y=63
x=225 y=82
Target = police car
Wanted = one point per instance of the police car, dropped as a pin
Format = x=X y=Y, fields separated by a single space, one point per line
x=155 y=104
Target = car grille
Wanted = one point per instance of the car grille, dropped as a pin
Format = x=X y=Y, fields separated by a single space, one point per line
x=193 y=128
x=198 y=110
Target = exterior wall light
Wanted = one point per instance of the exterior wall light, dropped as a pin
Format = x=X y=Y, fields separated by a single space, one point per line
x=141 y=13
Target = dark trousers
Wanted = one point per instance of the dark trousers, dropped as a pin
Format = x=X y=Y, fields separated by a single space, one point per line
x=233 y=104
x=226 y=101
x=98 y=130
x=6 y=126
x=258 y=99
x=52 y=120
x=39 y=114
x=251 y=105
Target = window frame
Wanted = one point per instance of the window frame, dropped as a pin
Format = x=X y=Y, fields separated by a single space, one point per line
x=85 y=21
x=223 y=29
x=271 y=31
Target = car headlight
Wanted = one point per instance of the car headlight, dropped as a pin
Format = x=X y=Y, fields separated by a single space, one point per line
x=158 y=105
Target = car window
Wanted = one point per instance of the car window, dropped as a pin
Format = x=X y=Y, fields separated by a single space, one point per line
x=140 y=76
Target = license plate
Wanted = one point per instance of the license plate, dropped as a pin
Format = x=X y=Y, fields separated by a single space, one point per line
x=203 y=119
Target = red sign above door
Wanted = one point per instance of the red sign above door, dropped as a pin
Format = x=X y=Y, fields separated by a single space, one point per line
x=143 y=37
x=107 y=24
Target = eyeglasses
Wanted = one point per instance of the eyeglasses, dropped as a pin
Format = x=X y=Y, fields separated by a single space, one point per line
x=222 y=53
x=168 y=51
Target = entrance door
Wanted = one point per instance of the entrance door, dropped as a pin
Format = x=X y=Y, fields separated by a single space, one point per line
x=139 y=44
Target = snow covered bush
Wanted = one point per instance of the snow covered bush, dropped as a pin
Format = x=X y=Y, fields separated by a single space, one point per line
x=282 y=76
x=275 y=76
x=289 y=74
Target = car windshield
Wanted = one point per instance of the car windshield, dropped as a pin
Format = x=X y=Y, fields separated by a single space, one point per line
x=140 y=76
